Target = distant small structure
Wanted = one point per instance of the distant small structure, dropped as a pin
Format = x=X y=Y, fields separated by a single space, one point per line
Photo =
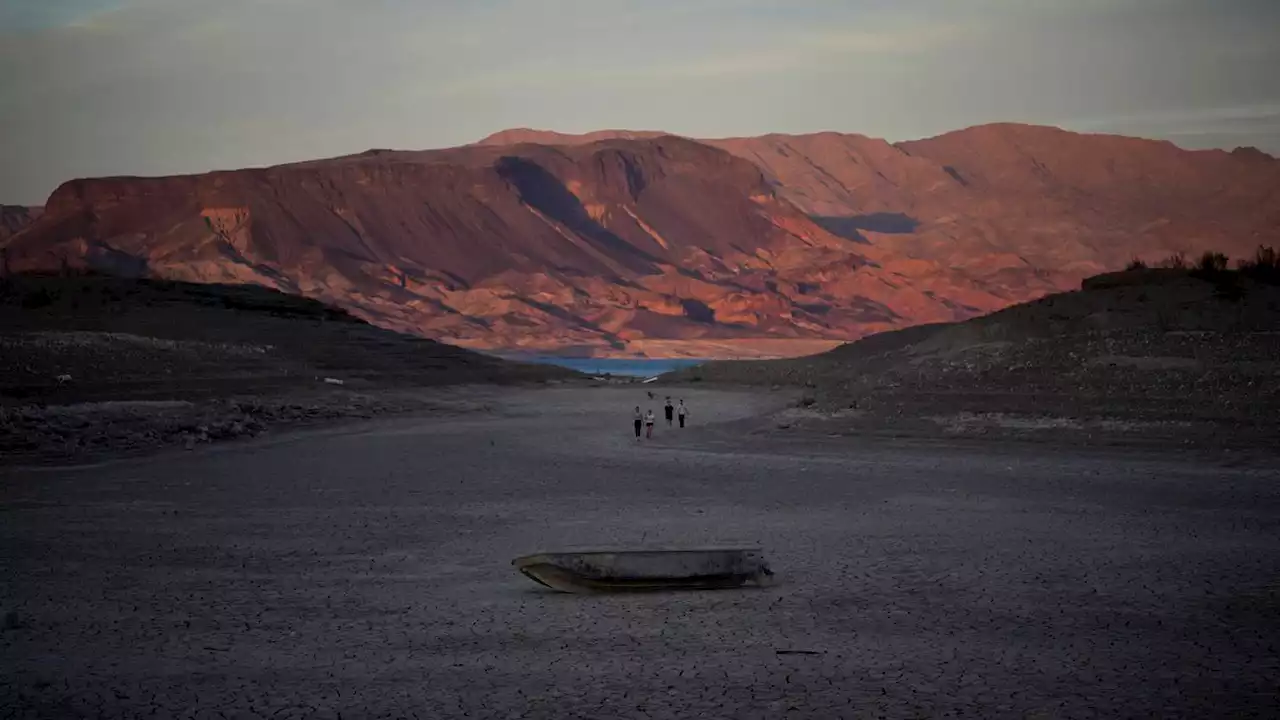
x=64 y=379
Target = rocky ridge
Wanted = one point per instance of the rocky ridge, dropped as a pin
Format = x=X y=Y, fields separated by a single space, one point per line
x=625 y=242
x=1151 y=354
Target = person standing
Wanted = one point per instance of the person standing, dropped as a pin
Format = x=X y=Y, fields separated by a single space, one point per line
x=648 y=423
x=682 y=412
x=639 y=418
x=669 y=410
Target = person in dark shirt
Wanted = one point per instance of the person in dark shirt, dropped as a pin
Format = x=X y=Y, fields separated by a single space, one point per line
x=670 y=411
x=639 y=418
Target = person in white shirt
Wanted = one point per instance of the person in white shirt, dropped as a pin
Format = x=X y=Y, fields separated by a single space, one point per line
x=682 y=411
x=648 y=423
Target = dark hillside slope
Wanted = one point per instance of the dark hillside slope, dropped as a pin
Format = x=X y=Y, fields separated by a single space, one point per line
x=95 y=364
x=126 y=339
x=1163 y=352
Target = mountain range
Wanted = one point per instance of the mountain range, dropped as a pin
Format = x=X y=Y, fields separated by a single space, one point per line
x=624 y=242
x=14 y=218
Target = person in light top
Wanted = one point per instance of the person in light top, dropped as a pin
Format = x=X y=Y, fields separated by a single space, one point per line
x=648 y=423
x=682 y=411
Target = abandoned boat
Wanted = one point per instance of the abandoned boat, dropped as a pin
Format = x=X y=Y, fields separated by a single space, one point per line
x=704 y=568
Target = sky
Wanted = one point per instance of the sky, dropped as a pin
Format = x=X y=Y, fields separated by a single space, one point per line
x=156 y=87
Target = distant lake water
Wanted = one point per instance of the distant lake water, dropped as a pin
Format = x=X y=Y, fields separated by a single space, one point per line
x=631 y=367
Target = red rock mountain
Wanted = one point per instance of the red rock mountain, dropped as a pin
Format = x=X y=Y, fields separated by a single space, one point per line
x=649 y=243
x=16 y=217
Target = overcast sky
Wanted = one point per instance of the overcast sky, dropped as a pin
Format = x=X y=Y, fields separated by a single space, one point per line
x=144 y=87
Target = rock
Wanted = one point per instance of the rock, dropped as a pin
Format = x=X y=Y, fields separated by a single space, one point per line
x=13 y=621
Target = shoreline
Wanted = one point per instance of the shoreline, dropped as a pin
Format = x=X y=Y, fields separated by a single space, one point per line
x=90 y=434
x=727 y=349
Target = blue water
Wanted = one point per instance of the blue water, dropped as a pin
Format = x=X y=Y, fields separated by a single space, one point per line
x=631 y=367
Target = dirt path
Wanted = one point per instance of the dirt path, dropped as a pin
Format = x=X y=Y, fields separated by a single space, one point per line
x=363 y=571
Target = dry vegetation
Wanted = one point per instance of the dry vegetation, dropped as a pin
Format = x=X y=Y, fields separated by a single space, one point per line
x=1263 y=267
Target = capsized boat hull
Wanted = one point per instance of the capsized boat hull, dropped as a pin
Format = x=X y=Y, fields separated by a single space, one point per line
x=647 y=570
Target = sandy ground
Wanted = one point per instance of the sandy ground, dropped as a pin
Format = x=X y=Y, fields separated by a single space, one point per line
x=364 y=571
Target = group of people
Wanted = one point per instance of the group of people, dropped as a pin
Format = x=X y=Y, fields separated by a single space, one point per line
x=646 y=420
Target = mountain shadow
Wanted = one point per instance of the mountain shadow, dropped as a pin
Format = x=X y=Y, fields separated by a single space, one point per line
x=545 y=193
x=698 y=311
x=849 y=226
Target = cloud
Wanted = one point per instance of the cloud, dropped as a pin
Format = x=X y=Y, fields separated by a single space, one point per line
x=1195 y=127
x=811 y=50
x=817 y=51
x=90 y=87
x=18 y=16
x=910 y=39
x=1267 y=112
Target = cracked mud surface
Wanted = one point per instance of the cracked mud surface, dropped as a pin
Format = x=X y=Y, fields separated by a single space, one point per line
x=365 y=573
